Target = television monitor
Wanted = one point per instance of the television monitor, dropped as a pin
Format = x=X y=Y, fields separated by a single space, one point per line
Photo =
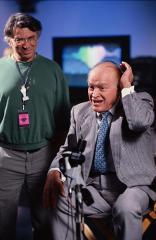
x=77 y=55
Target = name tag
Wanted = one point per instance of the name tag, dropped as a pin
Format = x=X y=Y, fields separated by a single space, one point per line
x=23 y=119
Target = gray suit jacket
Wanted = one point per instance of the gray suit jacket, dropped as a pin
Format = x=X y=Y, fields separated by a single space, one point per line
x=130 y=140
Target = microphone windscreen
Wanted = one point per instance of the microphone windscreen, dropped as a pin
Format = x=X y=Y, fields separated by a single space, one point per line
x=72 y=142
x=81 y=145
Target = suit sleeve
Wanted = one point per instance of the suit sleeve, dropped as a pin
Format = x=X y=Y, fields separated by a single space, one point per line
x=138 y=109
x=64 y=147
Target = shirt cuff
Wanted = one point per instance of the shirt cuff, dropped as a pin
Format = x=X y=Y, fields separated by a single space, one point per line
x=126 y=91
x=63 y=178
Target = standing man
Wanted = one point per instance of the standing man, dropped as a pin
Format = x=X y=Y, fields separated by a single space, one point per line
x=34 y=106
x=119 y=170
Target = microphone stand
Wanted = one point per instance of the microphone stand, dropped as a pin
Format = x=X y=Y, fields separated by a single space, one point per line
x=76 y=186
x=72 y=169
x=79 y=211
x=74 y=173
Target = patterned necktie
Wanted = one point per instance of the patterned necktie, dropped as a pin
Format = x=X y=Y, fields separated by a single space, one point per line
x=100 y=159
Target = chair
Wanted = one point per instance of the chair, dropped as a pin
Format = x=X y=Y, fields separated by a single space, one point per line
x=149 y=218
x=107 y=233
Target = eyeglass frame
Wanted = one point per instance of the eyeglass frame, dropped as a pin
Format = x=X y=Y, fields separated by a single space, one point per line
x=20 y=41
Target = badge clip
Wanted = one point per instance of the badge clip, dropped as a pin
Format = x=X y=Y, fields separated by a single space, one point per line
x=24 y=93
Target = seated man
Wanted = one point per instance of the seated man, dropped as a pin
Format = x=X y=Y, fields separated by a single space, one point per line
x=119 y=171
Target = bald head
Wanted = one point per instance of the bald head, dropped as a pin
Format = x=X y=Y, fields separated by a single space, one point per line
x=107 y=68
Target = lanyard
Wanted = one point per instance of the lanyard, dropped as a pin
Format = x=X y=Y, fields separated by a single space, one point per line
x=25 y=80
x=24 y=77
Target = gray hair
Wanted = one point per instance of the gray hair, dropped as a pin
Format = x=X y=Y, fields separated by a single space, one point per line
x=21 y=20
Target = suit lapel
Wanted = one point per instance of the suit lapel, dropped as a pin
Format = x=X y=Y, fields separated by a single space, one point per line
x=88 y=129
x=116 y=134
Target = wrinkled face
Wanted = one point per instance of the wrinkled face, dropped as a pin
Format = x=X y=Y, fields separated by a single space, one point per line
x=103 y=89
x=24 y=44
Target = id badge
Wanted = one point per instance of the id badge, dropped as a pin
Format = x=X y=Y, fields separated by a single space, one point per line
x=23 y=119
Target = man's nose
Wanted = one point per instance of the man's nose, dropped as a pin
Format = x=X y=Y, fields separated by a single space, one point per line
x=25 y=43
x=95 y=92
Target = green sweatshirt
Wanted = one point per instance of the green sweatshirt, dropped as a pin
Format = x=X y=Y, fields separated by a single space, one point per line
x=48 y=104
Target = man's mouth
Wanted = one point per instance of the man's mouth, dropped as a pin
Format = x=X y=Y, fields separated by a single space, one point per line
x=97 y=101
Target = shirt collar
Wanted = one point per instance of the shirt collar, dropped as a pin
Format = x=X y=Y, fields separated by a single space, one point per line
x=111 y=110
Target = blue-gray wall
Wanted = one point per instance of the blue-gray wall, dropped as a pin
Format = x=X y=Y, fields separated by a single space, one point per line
x=89 y=18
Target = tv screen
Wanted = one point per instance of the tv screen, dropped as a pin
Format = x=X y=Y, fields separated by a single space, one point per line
x=77 y=55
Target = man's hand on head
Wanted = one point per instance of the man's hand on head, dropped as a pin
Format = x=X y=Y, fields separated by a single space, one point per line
x=126 y=79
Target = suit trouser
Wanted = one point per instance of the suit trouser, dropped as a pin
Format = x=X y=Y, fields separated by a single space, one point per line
x=111 y=198
x=18 y=168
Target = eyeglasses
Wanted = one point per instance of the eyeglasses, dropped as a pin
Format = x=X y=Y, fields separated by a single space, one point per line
x=30 y=40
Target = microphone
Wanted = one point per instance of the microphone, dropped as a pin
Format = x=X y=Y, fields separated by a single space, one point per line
x=70 y=165
x=73 y=156
x=77 y=158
